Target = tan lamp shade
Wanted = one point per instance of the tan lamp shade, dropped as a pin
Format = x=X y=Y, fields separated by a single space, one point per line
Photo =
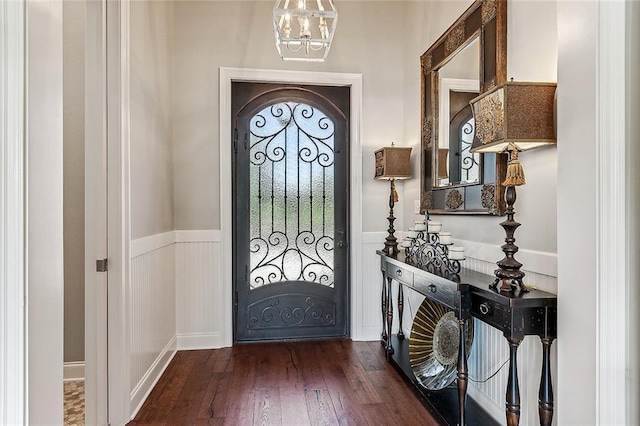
x=393 y=163
x=514 y=112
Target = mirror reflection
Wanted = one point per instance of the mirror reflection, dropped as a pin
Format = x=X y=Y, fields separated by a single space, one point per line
x=458 y=82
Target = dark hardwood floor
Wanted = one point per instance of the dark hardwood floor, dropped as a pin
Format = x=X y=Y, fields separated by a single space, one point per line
x=302 y=383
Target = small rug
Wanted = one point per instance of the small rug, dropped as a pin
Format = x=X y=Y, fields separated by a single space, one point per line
x=74 y=403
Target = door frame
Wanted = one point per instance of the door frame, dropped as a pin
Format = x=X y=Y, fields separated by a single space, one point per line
x=13 y=355
x=354 y=81
x=333 y=103
x=107 y=94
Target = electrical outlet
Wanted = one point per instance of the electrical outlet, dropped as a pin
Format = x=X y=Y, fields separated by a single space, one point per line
x=416 y=206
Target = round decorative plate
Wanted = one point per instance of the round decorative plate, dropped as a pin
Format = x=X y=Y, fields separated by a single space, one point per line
x=433 y=345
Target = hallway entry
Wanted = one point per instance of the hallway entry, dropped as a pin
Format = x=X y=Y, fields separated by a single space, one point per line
x=290 y=212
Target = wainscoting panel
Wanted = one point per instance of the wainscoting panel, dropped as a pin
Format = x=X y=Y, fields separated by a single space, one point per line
x=152 y=312
x=199 y=293
x=371 y=313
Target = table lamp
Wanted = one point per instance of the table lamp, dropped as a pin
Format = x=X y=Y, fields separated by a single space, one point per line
x=392 y=163
x=510 y=118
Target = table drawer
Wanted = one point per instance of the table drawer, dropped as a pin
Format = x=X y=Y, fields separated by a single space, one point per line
x=400 y=274
x=490 y=312
x=441 y=292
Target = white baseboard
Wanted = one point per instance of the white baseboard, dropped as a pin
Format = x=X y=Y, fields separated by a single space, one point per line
x=195 y=341
x=151 y=377
x=73 y=371
x=368 y=334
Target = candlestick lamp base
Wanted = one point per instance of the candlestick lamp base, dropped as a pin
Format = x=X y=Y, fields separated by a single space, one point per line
x=509 y=274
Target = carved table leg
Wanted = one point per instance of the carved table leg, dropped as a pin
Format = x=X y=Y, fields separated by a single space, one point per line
x=513 y=390
x=545 y=396
x=389 y=318
x=463 y=376
x=383 y=337
x=400 y=310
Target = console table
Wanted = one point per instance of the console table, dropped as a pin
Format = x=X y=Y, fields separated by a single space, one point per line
x=516 y=314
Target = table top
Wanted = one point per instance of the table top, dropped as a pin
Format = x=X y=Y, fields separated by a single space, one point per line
x=479 y=284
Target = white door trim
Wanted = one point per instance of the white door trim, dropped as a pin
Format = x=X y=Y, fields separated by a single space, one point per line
x=613 y=219
x=228 y=75
x=95 y=332
x=448 y=85
x=13 y=403
x=118 y=209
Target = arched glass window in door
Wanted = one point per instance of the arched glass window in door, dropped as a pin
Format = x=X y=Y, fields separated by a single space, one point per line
x=469 y=162
x=291 y=161
x=463 y=166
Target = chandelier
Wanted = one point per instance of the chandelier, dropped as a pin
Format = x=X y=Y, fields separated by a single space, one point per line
x=304 y=29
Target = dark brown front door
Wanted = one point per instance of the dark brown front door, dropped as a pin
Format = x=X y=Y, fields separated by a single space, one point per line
x=291 y=198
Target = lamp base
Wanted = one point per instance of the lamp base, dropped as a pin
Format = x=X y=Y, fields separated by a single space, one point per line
x=509 y=274
x=509 y=281
x=391 y=247
x=391 y=243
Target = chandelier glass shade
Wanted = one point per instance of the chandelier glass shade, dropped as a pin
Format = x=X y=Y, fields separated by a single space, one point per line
x=304 y=29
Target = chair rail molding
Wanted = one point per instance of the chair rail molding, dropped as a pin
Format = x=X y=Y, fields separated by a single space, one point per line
x=227 y=75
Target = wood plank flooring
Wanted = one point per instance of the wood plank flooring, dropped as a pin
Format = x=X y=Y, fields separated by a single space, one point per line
x=335 y=382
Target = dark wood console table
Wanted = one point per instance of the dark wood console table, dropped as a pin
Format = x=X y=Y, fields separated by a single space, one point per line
x=516 y=314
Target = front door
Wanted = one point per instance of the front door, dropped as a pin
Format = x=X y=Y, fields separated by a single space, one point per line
x=291 y=198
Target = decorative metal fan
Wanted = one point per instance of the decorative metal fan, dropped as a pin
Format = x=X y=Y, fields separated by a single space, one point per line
x=433 y=345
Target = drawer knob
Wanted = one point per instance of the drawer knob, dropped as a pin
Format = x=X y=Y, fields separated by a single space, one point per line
x=399 y=273
x=485 y=308
x=432 y=288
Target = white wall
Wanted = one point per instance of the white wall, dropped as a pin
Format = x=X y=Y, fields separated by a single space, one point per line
x=44 y=215
x=632 y=386
x=577 y=42
x=597 y=196
x=151 y=118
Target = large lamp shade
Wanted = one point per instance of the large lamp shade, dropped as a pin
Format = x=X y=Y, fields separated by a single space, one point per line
x=514 y=112
x=393 y=163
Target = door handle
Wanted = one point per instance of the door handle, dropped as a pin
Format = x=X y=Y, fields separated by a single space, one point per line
x=342 y=244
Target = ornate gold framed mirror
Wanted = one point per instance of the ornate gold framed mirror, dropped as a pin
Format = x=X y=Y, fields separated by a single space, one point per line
x=468 y=59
